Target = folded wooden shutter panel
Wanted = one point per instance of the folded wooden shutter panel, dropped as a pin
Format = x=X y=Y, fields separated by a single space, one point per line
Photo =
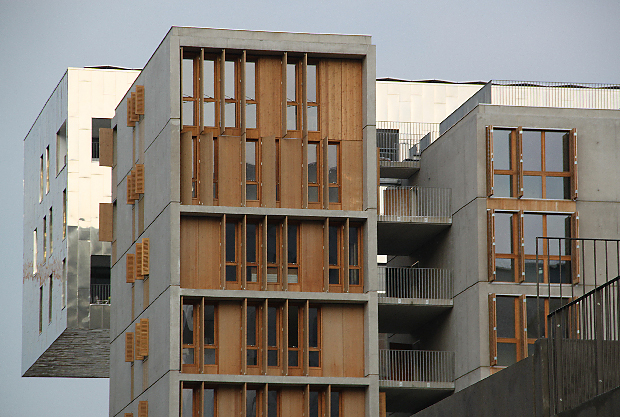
x=106 y=147
x=129 y=180
x=132 y=115
x=130 y=122
x=523 y=325
x=521 y=249
x=139 y=99
x=139 y=274
x=129 y=347
x=186 y=167
x=491 y=244
x=139 y=178
x=143 y=409
x=492 y=330
x=490 y=169
x=128 y=414
x=106 y=211
x=138 y=350
x=130 y=272
x=519 y=162
x=575 y=249
x=144 y=337
x=146 y=249
x=573 y=161
x=134 y=178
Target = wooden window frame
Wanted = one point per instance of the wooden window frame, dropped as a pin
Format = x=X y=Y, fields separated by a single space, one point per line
x=360 y=256
x=251 y=132
x=319 y=327
x=319 y=175
x=513 y=171
x=258 y=347
x=516 y=244
x=277 y=266
x=300 y=340
x=279 y=335
x=257 y=264
x=297 y=62
x=196 y=65
x=216 y=99
x=543 y=173
x=318 y=95
x=339 y=227
x=295 y=286
x=257 y=173
x=209 y=368
x=337 y=185
x=195 y=345
x=236 y=284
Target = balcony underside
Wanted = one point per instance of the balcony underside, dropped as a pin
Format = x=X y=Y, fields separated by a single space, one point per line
x=405 y=236
x=403 y=170
x=413 y=396
x=409 y=314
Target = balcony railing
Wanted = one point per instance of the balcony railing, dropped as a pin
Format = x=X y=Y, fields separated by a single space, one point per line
x=415 y=283
x=407 y=367
x=100 y=293
x=414 y=204
x=404 y=141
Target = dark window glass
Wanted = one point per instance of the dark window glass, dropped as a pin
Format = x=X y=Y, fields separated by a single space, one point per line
x=231 y=273
x=556 y=151
x=188 y=324
x=334 y=276
x=293 y=358
x=209 y=336
x=250 y=403
x=558 y=226
x=313 y=359
x=272 y=403
x=251 y=192
x=313 y=194
x=530 y=270
x=532 y=186
x=332 y=156
x=532 y=228
x=250 y=161
x=503 y=233
x=505 y=316
x=272 y=320
x=501 y=149
x=504 y=270
x=333 y=245
x=334 y=194
x=531 y=150
x=354 y=277
x=502 y=186
x=230 y=242
x=252 y=357
x=558 y=188
x=506 y=354
x=188 y=402
x=313 y=331
x=272 y=358
x=209 y=402
x=534 y=329
x=353 y=246
x=272 y=242
x=292 y=243
x=209 y=356
x=314 y=404
x=251 y=242
x=312 y=163
x=251 y=326
x=293 y=326
x=559 y=272
x=335 y=404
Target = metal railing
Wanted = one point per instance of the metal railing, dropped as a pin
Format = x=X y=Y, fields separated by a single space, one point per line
x=585 y=347
x=556 y=94
x=416 y=366
x=100 y=293
x=404 y=141
x=412 y=283
x=414 y=204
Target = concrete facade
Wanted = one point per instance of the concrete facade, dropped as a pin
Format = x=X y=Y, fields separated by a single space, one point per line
x=66 y=335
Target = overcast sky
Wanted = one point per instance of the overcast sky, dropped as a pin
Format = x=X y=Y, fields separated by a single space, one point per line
x=536 y=40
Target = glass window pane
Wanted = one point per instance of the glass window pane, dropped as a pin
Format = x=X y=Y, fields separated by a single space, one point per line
x=312 y=163
x=313 y=118
x=272 y=331
x=293 y=358
x=314 y=358
x=272 y=274
x=313 y=320
x=556 y=151
x=208 y=74
x=311 y=82
x=557 y=188
x=188 y=356
x=230 y=242
x=209 y=356
x=533 y=324
x=272 y=358
x=293 y=317
x=272 y=243
x=532 y=228
x=558 y=226
x=506 y=354
x=555 y=303
x=188 y=78
x=209 y=113
x=251 y=242
x=291 y=87
x=332 y=156
x=250 y=80
x=314 y=404
x=250 y=160
x=559 y=271
x=313 y=194
x=188 y=324
x=251 y=326
x=209 y=402
x=188 y=113
x=188 y=402
x=334 y=276
x=333 y=245
x=502 y=186
x=503 y=233
x=293 y=277
x=231 y=273
x=501 y=149
x=291 y=117
x=250 y=403
x=353 y=246
x=292 y=244
x=252 y=356
x=530 y=270
x=531 y=150
x=250 y=116
x=229 y=75
x=251 y=192
x=334 y=194
x=505 y=307
x=209 y=332
x=504 y=270
x=272 y=403
x=354 y=277
x=335 y=404
x=532 y=186
x=231 y=114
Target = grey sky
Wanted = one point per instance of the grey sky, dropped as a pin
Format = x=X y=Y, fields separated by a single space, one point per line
x=542 y=40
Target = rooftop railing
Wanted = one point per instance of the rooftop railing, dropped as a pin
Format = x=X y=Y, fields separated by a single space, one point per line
x=414 y=204
x=100 y=293
x=399 y=367
x=415 y=283
x=404 y=141
x=556 y=94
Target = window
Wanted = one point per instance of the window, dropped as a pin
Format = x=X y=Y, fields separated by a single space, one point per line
x=252 y=161
x=273 y=252
x=40 y=309
x=314 y=337
x=252 y=245
x=189 y=86
x=252 y=338
x=272 y=403
x=333 y=157
x=252 y=402
x=232 y=263
x=231 y=96
x=316 y=403
x=215 y=168
x=64 y=214
x=513 y=254
x=293 y=266
x=292 y=96
x=188 y=336
x=209 y=343
x=61 y=148
x=273 y=335
x=35 y=254
x=314 y=172
x=47 y=170
x=44 y=238
x=335 y=404
x=532 y=163
x=42 y=178
x=97 y=124
x=210 y=92
x=51 y=233
x=199 y=336
x=294 y=335
x=250 y=96
x=335 y=244
x=312 y=97
x=49 y=300
x=354 y=255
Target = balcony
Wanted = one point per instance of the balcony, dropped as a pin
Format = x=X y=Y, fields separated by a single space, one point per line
x=409 y=216
x=414 y=379
x=99 y=293
x=400 y=145
x=410 y=297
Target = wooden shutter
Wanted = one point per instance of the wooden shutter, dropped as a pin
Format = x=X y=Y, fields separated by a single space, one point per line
x=129 y=101
x=575 y=248
x=106 y=211
x=139 y=183
x=519 y=162
x=129 y=180
x=382 y=409
x=139 y=261
x=143 y=409
x=206 y=169
x=521 y=248
x=573 y=161
x=106 y=147
x=268 y=171
x=139 y=99
x=134 y=178
x=132 y=115
x=128 y=347
x=491 y=243
x=522 y=325
x=128 y=414
x=146 y=249
x=144 y=337
x=138 y=339
x=490 y=168
x=492 y=330
x=130 y=270
x=186 y=167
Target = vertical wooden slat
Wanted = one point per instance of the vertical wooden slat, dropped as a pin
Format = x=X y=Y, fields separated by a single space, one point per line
x=129 y=107
x=201 y=89
x=520 y=162
x=306 y=341
x=491 y=244
x=244 y=336
x=105 y=222
x=139 y=273
x=129 y=182
x=263 y=334
x=490 y=169
x=106 y=147
x=307 y=400
x=244 y=401
x=345 y=259
x=268 y=171
x=144 y=337
x=222 y=91
x=304 y=135
x=325 y=172
x=132 y=110
x=573 y=162
x=382 y=410
x=206 y=169
x=223 y=252
x=326 y=255
x=285 y=338
x=263 y=256
x=285 y=254
x=146 y=256
x=575 y=249
x=242 y=252
x=129 y=347
x=186 y=167
x=492 y=330
x=140 y=100
x=130 y=268
x=521 y=259
x=522 y=325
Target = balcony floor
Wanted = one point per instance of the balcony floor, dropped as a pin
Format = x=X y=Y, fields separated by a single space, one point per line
x=405 y=236
x=402 y=170
x=413 y=396
x=408 y=315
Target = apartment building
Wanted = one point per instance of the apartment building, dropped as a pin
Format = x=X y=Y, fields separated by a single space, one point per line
x=66 y=274
x=458 y=292
x=244 y=223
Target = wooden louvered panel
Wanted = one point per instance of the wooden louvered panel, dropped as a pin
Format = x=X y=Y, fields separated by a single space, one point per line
x=138 y=339
x=106 y=211
x=132 y=110
x=129 y=347
x=139 y=99
x=573 y=162
x=130 y=269
x=139 y=274
x=491 y=243
x=130 y=122
x=139 y=178
x=106 y=147
x=144 y=337
x=143 y=409
x=146 y=249
x=129 y=181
